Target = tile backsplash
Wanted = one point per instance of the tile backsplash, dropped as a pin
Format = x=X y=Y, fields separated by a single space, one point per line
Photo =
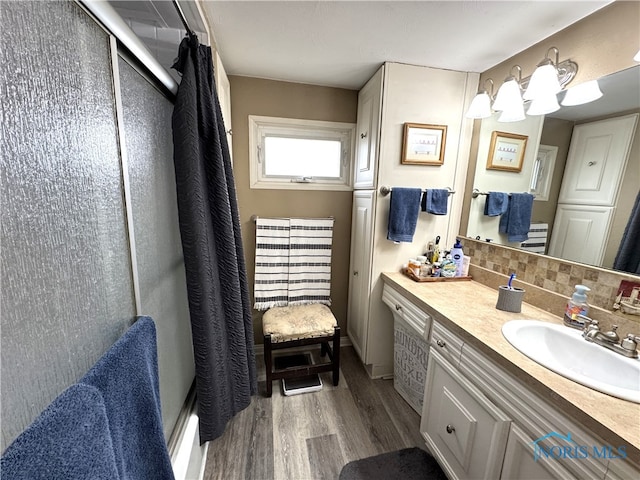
x=557 y=275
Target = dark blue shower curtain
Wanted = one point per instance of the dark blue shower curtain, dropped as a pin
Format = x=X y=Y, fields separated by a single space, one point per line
x=219 y=303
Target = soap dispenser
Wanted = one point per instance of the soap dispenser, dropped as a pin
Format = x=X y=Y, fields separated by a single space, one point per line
x=577 y=305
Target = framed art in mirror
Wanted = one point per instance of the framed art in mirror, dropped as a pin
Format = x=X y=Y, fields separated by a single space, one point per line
x=423 y=144
x=506 y=151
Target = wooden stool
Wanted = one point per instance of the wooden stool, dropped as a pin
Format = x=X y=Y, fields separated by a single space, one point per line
x=287 y=327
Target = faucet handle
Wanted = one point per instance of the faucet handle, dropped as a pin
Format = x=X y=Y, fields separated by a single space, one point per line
x=631 y=342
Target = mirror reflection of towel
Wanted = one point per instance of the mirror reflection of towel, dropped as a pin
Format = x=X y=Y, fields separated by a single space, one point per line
x=403 y=214
x=435 y=201
x=496 y=204
x=516 y=221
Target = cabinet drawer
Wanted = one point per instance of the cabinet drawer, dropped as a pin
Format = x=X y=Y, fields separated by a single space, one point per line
x=446 y=344
x=408 y=311
x=461 y=426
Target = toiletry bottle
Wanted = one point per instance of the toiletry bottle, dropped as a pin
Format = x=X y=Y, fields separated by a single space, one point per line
x=436 y=251
x=577 y=305
x=457 y=257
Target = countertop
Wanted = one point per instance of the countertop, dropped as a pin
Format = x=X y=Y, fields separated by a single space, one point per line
x=467 y=308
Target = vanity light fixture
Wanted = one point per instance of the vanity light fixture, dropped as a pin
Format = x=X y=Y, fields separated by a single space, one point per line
x=481 y=104
x=583 y=93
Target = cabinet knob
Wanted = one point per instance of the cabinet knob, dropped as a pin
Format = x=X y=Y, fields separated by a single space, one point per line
x=355 y=273
x=591 y=164
x=398 y=307
x=451 y=429
x=363 y=135
x=440 y=343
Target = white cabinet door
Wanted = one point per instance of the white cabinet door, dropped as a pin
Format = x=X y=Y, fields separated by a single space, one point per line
x=520 y=463
x=360 y=270
x=580 y=233
x=462 y=428
x=368 y=124
x=597 y=159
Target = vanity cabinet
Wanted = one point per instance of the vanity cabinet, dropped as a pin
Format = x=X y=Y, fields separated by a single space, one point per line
x=367 y=128
x=462 y=428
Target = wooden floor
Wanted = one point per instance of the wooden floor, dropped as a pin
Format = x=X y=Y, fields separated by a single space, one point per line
x=313 y=435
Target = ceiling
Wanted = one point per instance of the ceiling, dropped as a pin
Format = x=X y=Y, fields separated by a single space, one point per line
x=342 y=43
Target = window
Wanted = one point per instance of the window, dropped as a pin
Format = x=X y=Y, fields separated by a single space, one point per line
x=300 y=154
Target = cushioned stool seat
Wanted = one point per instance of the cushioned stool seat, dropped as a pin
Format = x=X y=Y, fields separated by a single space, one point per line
x=293 y=326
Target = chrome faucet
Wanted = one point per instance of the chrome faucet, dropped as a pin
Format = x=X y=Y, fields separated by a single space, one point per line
x=611 y=340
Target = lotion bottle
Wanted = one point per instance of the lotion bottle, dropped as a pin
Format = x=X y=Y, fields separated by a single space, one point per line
x=577 y=305
x=458 y=258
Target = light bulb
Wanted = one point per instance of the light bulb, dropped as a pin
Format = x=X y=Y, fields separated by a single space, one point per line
x=508 y=96
x=583 y=93
x=480 y=106
x=544 y=81
x=514 y=113
x=543 y=105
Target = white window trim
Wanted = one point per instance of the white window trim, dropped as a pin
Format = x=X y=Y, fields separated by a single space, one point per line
x=260 y=125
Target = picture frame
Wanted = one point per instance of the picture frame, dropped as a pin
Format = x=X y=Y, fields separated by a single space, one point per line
x=506 y=151
x=423 y=144
x=542 y=172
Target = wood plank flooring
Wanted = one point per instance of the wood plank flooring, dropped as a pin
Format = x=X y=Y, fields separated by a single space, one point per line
x=313 y=435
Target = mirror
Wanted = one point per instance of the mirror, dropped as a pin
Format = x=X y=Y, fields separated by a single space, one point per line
x=543 y=169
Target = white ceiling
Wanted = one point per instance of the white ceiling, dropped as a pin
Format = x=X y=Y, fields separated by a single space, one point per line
x=342 y=43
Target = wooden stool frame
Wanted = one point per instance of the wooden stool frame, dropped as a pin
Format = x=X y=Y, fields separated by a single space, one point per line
x=296 y=372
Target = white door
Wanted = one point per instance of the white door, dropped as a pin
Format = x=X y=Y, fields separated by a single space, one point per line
x=597 y=159
x=580 y=233
x=368 y=124
x=360 y=270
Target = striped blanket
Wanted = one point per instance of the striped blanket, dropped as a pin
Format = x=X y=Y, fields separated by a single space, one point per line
x=293 y=262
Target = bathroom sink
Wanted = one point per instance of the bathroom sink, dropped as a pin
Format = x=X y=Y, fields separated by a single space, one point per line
x=564 y=351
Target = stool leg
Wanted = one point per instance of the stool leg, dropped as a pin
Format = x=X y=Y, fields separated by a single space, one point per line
x=267 y=363
x=336 y=356
x=323 y=348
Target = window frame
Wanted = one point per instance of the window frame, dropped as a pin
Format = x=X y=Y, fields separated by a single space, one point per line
x=263 y=126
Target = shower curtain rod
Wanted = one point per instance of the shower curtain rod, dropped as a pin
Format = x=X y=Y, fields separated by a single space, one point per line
x=183 y=19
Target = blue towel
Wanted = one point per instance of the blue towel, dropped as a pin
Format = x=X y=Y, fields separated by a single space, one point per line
x=516 y=221
x=70 y=439
x=435 y=201
x=496 y=204
x=403 y=214
x=127 y=378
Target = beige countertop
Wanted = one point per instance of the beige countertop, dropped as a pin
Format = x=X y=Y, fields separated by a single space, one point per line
x=467 y=308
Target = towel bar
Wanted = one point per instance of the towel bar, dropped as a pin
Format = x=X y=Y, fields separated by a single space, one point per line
x=384 y=191
x=476 y=193
x=255 y=217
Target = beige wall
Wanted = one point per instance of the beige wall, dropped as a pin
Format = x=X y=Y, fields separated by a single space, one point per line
x=252 y=96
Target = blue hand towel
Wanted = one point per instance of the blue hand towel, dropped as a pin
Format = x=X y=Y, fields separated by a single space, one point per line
x=496 y=204
x=516 y=221
x=403 y=214
x=435 y=201
x=70 y=439
x=127 y=378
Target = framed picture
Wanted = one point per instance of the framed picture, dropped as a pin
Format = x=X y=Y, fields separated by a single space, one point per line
x=423 y=144
x=506 y=151
x=542 y=172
